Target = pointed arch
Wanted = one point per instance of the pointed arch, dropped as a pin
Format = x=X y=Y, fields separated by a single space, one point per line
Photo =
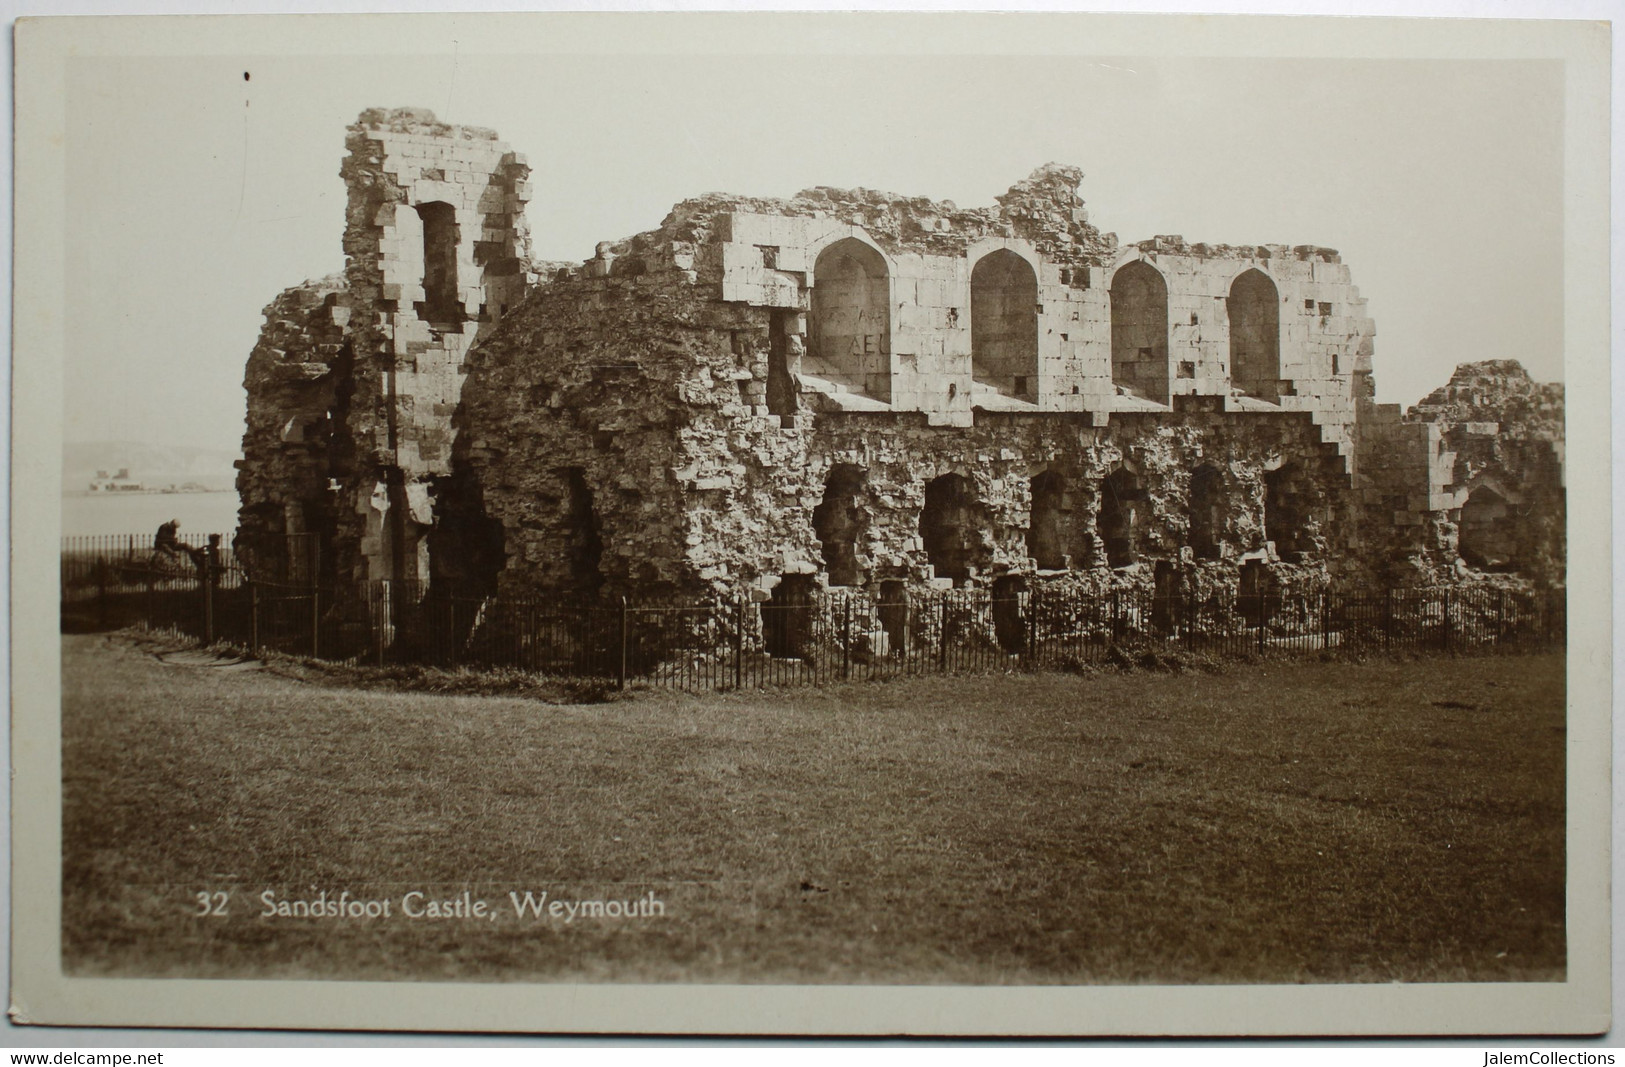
x=1254 y=309
x=1004 y=324
x=1139 y=301
x=850 y=324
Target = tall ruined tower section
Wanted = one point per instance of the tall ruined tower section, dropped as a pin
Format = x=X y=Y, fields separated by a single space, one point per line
x=437 y=251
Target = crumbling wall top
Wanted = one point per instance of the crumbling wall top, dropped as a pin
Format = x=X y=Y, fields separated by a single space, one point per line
x=1495 y=390
x=419 y=121
x=288 y=349
x=1044 y=208
x=1174 y=244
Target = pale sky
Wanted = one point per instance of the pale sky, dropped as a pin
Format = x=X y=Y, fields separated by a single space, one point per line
x=195 y=197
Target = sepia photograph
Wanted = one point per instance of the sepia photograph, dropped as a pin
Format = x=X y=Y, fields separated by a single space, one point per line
x=743 y=517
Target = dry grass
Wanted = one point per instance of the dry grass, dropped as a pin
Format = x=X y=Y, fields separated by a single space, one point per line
x=1275 y=823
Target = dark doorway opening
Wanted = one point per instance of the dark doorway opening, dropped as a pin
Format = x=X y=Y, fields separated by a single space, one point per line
x=1118 y=519
x=787 y=617
x=1010 y=612
x=894 y=613
x=1206 y=515
x=1286 y=510
x=1485 y=536
x=951 y=527
x=1252 y=590
x=840 y=521
x=1051 y=526
x=1165 y=600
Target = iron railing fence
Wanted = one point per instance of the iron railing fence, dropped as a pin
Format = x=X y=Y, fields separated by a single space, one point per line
x=817 y=638
x=127 y=579
x=90 y=563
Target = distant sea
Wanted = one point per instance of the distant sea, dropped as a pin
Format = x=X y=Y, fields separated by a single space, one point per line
x=98 y=514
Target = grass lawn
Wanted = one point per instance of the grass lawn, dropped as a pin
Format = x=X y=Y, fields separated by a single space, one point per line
x=1285 y=822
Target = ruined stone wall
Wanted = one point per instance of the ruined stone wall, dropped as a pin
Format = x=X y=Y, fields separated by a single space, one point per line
x=1505 y=433
x=616 y=429
x=297 y=380
x=437 y=251
x=930 y=257
x=854 y=388
x=1468 y=483
x=1325 y=339
x=668 y=417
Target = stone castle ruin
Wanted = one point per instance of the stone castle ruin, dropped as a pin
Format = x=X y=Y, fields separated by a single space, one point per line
x=854 y=389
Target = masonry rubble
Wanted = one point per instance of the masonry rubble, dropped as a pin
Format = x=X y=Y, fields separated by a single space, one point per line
x=856 y=389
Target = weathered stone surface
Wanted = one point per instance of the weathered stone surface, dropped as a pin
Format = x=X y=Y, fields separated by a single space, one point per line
x=856 y=388
x=296 y=440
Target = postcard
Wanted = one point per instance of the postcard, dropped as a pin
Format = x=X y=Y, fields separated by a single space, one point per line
x=807 y=523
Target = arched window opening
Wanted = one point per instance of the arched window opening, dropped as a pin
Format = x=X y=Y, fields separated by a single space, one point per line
x=1206 y=516
x=1050 y=525
x=850 y=325
x=1139 y=299
x=1254 y=308
x=787 y=617
x=1004 y=324
x=1118 y=519
x=840 y=522
x=951 y=527
x=582 y=531
x=441 y=302
x=1485 y=536
x=1287 y=506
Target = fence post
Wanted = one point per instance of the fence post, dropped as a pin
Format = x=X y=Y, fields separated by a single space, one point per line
x=451 y=629
x=1032 y=627
x=1388 y=620
x=315 y=623
x=208 y=601
x=621 y=676
x=1117 y=618
x=739 y=642
x=846 y=636
x=1444 y=635
x=253 y=617
x=101 y=592
x=376 y=607
x=942 y=638
x=1500 y=615
x=1325 y=620
x=1263 y=620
